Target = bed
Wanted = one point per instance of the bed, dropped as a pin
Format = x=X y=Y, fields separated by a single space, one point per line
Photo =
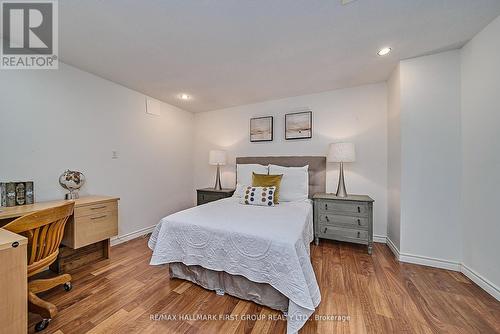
x=255 y=253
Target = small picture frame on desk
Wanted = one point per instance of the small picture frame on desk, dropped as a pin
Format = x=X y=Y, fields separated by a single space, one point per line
x=16 y=193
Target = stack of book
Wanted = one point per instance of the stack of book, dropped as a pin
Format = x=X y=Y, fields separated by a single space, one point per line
x=16 y=193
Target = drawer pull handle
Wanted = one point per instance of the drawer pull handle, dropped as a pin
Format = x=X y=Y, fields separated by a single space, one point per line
x=15 y=244
x=327 y=219
x=359 y=222
x=359 y=209
x=326 y=206
x=98 y=207
x=326 y=228
x=359 y=234
x=100 y=217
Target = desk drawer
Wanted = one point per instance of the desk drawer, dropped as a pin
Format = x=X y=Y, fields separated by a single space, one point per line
x=95 y=227
x=349 y=208
x=340 y=220
x=94 y=209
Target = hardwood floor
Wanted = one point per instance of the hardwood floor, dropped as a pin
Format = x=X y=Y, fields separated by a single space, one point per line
x=378 y=294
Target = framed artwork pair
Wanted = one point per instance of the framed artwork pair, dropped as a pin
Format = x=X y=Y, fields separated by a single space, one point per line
x=298 y=125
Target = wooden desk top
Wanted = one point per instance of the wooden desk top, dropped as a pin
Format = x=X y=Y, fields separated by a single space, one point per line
x=7 y=238
x=21 y=210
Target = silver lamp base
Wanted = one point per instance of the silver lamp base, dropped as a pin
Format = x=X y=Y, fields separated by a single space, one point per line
x=217 y=179
x=72 y=195
x=341 y=192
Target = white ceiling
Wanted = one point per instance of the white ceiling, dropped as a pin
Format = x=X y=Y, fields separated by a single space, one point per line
x=226 y=52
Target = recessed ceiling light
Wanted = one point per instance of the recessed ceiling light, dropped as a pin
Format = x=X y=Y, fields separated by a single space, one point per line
x=384 y=51
x=184 y=97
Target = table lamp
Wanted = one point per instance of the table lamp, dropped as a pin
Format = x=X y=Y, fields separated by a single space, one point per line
x=218 y=158
x=341 y=152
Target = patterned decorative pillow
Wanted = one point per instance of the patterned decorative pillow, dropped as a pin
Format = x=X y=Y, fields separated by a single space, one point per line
x=263 y=196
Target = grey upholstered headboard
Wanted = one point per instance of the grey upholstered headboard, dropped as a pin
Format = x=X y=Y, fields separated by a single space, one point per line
x=317 y=168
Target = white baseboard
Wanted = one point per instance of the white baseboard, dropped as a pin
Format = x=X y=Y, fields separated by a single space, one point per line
x=393 y=248
x=483 y=283
x=379 y=238
x=132 y=235
x=430 y=261
x=422 y=260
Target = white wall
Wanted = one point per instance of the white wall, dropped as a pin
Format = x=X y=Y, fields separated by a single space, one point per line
x=430 y=156
x=481 y=155
x=54 y=120
x=394 y=158
x=355 y=114
x=443 y=111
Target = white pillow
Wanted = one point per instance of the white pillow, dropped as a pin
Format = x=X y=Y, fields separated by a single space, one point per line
x=244 y=172
x=239 y=190
x=294 y=184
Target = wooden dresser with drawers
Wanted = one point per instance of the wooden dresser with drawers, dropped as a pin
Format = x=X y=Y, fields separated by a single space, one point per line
x=344 y=218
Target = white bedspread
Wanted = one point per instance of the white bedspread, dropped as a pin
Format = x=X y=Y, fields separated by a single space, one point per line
x=264 y=244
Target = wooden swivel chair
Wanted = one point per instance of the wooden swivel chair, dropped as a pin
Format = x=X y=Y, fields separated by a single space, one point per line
x=44 y=230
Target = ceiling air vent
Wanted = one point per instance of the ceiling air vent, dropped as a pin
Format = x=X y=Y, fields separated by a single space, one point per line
x=345 y=2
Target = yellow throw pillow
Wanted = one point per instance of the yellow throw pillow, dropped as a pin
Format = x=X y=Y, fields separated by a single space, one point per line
x=264 y=180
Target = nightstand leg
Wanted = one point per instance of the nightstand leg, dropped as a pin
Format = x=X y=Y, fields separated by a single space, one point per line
x=316 y=241
x=370 y=247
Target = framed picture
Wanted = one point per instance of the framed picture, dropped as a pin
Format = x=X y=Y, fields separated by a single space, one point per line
x=298 y=125
x=261 y=129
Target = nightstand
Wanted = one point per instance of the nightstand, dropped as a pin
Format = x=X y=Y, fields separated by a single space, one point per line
x=344 y=218
x=206 y=195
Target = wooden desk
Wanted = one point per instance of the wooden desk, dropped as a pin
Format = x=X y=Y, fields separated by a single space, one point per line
x=87 y=233
x=13 y=283
x=22 y=210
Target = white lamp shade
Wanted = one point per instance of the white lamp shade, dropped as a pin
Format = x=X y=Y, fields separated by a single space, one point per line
x=216 y=157
x=341 y=152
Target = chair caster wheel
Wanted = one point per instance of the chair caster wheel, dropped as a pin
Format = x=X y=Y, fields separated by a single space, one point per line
x=68 y=286
x=42 y=325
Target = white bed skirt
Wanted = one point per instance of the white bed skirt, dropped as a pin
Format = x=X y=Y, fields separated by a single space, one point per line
x=234 y=285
